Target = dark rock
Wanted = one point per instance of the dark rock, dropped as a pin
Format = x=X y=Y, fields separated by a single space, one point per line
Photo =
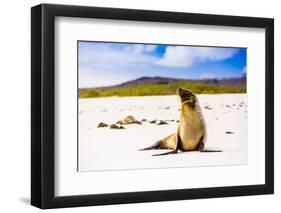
x=229 y=132
x=207 y=107
x=115 y=126
x=153 y=122
x=101 y=124
x=162 y=123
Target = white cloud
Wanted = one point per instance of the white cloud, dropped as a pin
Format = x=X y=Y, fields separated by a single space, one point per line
x=149 y=48
x=109 y=64
x=106 y=54
x=140 y=48
x=99 y=78
x=182 y=56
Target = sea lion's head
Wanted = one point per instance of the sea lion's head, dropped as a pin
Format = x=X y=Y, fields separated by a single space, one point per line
x=186 y=96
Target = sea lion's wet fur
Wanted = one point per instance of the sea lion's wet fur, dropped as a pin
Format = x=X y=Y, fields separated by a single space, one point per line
x=192 y=133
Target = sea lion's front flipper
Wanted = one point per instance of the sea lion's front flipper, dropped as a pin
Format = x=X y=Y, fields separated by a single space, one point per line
x=202 y=147
x=175 y=150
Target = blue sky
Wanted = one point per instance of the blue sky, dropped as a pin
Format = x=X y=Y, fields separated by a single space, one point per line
x=106 y=64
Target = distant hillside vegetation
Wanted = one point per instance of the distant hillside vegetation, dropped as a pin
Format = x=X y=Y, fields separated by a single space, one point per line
x=146 y=86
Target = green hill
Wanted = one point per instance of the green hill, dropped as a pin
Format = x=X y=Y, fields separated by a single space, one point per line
x=168 y=88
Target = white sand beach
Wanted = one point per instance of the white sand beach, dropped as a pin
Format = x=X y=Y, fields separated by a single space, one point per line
x=117 y=149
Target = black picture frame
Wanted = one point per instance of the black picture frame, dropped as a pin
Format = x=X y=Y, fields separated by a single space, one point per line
x=43 y=105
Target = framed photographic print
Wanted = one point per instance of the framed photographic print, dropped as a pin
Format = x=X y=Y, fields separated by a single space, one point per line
x=140 y=106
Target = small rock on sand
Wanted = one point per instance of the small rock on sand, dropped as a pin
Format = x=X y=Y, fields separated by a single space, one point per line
x=207 y=107
x=115 y=126
x=162 y=122
x=129 y=120
x=153 y=122
x=101 y=124
x=229 y=132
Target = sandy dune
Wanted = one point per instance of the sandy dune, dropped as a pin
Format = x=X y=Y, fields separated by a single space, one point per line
x=117 y=149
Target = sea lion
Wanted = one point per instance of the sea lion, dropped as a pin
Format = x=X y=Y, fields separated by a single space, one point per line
x=191 y=134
